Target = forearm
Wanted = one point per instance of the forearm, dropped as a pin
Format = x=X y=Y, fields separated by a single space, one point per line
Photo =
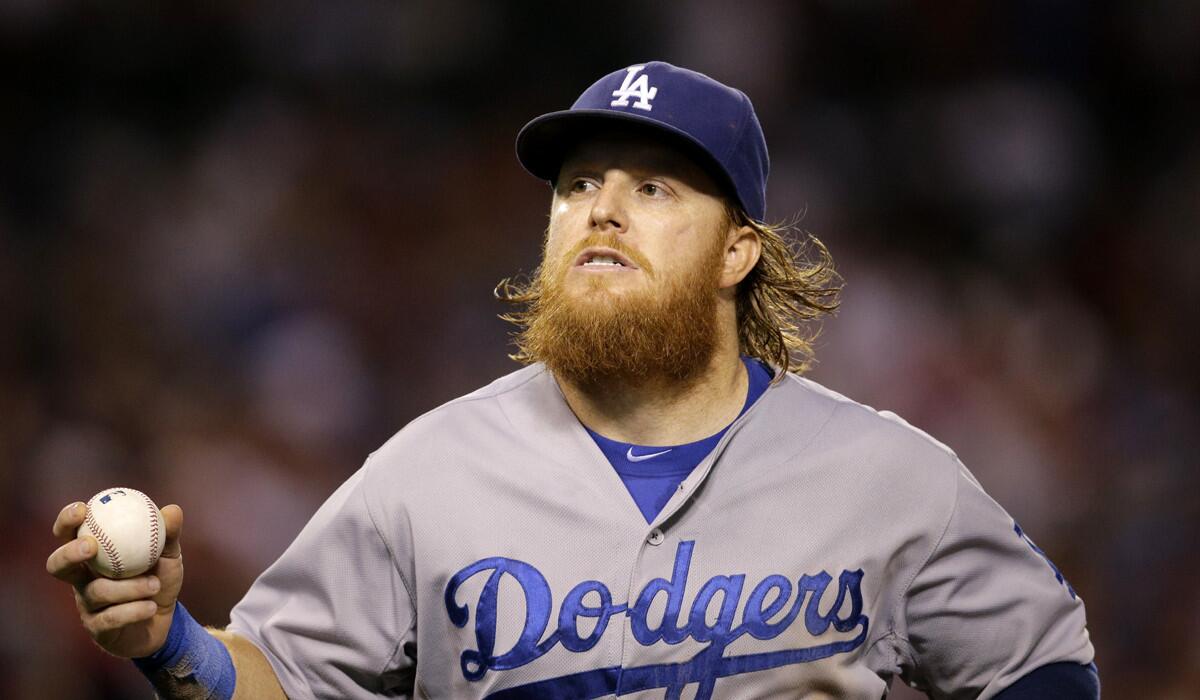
x=256 y=679
x=196 y=663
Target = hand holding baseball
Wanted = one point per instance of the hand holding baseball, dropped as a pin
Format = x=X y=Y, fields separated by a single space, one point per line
x=127 y=617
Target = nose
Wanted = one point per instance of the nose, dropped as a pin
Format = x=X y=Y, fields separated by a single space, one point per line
x=608 y=210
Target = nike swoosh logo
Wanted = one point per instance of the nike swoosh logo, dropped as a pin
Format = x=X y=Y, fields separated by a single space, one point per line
x=642 y=458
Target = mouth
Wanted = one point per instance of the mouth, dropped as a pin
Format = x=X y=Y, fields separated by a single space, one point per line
x=603 y=259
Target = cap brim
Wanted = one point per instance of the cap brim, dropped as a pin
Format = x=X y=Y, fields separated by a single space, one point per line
x=545 y=142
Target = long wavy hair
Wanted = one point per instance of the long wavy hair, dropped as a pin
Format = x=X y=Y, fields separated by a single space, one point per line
x=779 y=303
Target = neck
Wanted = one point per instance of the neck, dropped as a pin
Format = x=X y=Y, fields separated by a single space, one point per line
x=662 y=411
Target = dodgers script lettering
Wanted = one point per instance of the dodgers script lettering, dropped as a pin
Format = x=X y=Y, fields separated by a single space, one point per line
x=770 y=608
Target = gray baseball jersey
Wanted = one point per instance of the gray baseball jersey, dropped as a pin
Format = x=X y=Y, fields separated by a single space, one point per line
x=489 y=550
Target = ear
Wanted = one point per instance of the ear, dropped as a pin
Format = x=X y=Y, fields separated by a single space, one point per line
x=742 y=249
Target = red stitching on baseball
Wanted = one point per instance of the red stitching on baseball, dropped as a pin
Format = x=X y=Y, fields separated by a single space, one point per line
x=105 y=543
x=153 y=523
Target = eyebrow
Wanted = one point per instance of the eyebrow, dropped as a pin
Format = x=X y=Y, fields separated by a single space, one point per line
x=656 y=167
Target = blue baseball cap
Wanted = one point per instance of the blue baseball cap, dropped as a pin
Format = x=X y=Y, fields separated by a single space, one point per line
x=715 y=122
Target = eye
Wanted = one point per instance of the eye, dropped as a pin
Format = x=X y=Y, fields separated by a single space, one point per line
x=580 y=185
x=652 y=189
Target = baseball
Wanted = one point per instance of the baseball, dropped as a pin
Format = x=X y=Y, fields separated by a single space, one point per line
x=129 y=529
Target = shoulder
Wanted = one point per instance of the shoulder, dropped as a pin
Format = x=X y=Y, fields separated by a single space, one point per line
x=850 y=424
x=823 y=437
x=485 y=404
x=529 y=378
x=482 y=419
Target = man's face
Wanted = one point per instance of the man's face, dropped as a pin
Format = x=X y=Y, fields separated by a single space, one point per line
x=630 y=272
x=630 y=216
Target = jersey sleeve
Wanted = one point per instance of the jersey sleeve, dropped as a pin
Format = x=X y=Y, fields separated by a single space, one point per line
x=987 y=607
x=333 y=615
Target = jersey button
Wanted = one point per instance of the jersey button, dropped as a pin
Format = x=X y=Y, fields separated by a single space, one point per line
x=656 y=537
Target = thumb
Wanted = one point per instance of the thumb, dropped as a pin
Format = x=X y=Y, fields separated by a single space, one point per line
x=173 y=519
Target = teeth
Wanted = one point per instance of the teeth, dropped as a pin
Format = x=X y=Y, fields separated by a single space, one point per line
x=603 y=260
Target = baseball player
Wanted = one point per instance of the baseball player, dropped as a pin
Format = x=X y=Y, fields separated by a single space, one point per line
x=655 y=506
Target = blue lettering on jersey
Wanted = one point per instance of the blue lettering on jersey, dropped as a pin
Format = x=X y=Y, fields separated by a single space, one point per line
x=1057 y=573
x=722 y=594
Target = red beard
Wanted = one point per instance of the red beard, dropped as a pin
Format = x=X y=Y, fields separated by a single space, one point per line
x=594 y=338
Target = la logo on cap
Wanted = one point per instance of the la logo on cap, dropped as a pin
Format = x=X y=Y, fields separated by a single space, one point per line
x=631 y=87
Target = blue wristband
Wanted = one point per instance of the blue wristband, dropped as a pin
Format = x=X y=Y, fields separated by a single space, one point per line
x=191 y=663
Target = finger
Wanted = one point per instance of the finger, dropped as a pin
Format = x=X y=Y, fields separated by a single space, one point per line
x=69 y=520
x=117 y=616
x=103 y=592
x=173 y=519
x=67 y=562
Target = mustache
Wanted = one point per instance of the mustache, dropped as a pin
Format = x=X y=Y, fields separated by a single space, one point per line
x=608 y=240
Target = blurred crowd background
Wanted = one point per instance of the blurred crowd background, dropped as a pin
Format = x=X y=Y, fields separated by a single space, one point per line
x=244 y=242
